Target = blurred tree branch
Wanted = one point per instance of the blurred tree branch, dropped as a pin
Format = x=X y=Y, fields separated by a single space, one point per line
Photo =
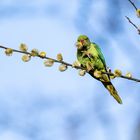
x=138 y=15
x=133 y=24
x=133 y=4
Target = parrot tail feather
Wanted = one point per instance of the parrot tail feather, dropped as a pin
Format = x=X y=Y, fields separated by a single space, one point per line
x=109 y=86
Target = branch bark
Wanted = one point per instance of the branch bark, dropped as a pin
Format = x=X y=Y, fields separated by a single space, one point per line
x=133 y=4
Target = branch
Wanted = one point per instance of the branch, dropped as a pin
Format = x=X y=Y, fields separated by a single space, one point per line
x=133 y=4
x=122 y=76
x=136 y=27
x=55 y=60
x=70 y=65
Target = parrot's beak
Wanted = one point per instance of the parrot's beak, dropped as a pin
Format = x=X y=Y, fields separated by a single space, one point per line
x=79 y=45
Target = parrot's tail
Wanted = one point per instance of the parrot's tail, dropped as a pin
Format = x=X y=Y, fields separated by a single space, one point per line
x=112 y=90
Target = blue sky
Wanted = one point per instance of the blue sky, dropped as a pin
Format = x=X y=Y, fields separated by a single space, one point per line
x=39 y=103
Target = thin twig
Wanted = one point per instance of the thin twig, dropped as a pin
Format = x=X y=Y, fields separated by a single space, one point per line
x=133 y=4
x=122 y=76
x=136 y=27
x=70 y=65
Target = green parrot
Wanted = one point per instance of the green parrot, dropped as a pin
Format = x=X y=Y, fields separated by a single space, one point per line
x=90 y=57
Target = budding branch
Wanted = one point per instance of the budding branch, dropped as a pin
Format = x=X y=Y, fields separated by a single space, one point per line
x=70 y=65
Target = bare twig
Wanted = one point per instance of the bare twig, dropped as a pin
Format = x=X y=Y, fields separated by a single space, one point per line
x=136 y=27
x=70 y=65
x=133 y=4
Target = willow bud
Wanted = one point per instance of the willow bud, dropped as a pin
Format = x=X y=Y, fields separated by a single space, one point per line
x=97 y=74
x=76 y=64
x=34 y=52
x=23 y=47
x=117 y=72
x=42 y=54
x=63 y=67
x=82 y=72
x=9 y=51
x=49 y=62
x=138 y=13
x=129 y=75
x=59 y=57
x=26 y=58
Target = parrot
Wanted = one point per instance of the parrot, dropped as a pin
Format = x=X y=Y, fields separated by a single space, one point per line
x=90 y=57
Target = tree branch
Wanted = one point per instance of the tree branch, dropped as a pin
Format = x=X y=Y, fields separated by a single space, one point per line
x=133 y=4
x=136 y=27
x=122 y=76
x=71 y=65
x=55 y=60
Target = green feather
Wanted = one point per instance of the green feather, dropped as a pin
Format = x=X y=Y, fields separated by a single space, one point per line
x=99 y=53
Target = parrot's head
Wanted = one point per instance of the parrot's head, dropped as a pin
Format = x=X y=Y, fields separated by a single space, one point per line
x=83 y=42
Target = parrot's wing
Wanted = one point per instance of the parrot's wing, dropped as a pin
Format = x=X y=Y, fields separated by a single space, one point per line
x=100 y=55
